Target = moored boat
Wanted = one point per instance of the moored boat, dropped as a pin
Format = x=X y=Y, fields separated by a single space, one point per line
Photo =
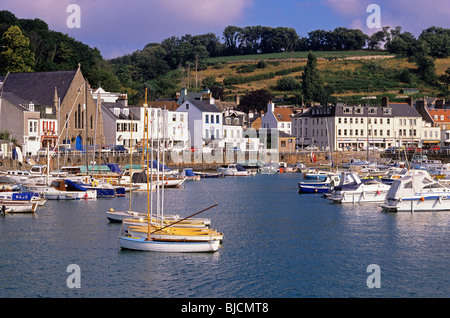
x=417 y=193
x=351 y=189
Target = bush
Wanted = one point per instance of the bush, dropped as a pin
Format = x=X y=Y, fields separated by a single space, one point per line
x=288 y=83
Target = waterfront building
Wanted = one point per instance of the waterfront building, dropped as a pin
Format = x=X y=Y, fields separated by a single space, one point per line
x=67 y=93
x=345 y=127
x=437 y=113
x=120 y=124
x=277 y=118
x=205 y=121
x=21 y=120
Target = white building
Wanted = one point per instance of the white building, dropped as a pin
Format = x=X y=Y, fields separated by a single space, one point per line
x=277 y=118
x=345 y=127
x=107 y=97
x=120 y=124
x=204 y=124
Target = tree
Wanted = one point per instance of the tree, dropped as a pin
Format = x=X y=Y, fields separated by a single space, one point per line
x=255 y=100
x=288 y=83
x=426 y=68
x=17 y=53
x=312 y=83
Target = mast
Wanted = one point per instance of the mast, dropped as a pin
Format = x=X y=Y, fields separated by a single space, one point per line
x=131 y=153
x=86 y=123
x=95 y=135
x=163 y=162
x=145 y=147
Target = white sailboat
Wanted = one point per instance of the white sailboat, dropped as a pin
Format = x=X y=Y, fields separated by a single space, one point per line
x=149 y=243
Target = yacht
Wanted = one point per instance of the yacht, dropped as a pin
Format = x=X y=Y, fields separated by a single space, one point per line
x=417 y=192
x=352 y=190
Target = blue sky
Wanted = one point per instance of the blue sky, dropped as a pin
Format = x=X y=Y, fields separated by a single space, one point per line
x=119 y=27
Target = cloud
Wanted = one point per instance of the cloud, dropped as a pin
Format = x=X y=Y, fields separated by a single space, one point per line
x=411 y=15
x=124 y=26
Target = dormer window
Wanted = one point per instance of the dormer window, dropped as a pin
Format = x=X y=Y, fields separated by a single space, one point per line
x=117 y=111
x=126 y=111
x=31 y=107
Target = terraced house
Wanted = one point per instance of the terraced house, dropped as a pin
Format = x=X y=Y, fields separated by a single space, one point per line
x=345 y=127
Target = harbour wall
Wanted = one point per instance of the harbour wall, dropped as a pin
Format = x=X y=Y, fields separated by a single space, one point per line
x=209 y=162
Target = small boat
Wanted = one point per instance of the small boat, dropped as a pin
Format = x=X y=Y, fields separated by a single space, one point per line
x=233 y=170
x=417 y=192
x=269 y=169
x=319 y=186
x=146 y=245
x=352 y=190
x=189 y=174
x=17 y=206
x=209 y=174
x=60 y=190
x=15 y=176
x=23 y=197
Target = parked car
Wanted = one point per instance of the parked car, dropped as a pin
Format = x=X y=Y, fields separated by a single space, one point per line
x=42 y=152
x=435 y=148
x=119 y=149
x=310 y=148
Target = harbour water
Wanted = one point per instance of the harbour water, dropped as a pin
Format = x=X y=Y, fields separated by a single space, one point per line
x=278 y=244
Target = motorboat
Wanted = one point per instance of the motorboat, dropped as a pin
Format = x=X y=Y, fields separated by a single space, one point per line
x=189 y=174
x=417 y=192
x=269 y=169
x=351 y=189
x=18 y=206
x=319 y=185
x=23 y=197
x=60 y=190
x=233 y=170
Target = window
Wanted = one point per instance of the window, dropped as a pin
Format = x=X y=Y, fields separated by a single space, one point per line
x=339 y=132
x=339 y=120
x=32 y=126
x=388 y=132
x=388 y=121
x=362 y=132
x=362 y=120
x=345 y=132
x=174 y=117
x=206 y=119
x=218 y=119
x=182 y=117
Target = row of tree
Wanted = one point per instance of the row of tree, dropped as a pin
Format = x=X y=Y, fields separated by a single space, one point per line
x=28 y=45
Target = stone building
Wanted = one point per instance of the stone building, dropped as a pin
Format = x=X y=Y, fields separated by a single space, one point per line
x=69 y=94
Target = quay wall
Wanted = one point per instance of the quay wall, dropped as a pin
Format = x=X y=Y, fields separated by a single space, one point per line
x=209 y=162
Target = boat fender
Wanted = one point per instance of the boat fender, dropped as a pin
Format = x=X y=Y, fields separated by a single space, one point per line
x=422 y=199
x=86 y=195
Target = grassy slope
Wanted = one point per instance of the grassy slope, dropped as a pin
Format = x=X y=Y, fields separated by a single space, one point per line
x=344 y=70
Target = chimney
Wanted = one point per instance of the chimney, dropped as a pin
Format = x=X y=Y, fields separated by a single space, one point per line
x=237 y=99
x=270 y=107
x=122 y=100
x=385 y=101
x=439 y=104
x=410 y=101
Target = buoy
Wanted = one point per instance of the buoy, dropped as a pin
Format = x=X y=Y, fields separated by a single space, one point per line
x=111 y=210
x=422 y=199
x=378 y=192
x=85 y=195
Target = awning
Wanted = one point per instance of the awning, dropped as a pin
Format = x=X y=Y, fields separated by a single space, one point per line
x=431 y=141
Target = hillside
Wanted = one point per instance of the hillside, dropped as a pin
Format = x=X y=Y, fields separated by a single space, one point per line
x=352 y=75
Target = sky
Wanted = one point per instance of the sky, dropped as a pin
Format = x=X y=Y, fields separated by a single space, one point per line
x=119 y=27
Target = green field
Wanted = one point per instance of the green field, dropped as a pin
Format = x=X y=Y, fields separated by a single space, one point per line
x=294 y=55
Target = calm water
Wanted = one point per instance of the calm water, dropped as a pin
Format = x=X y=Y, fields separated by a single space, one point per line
x=278 y=244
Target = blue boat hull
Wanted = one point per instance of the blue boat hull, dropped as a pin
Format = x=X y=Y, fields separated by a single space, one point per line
x=304 y=188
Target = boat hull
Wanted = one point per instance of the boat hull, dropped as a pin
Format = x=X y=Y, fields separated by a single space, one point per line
x=418 y=204
x=358 y=196
x=141 y=244
x=19 y=207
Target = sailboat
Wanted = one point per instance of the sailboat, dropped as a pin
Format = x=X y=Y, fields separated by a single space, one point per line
x=151 y=243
